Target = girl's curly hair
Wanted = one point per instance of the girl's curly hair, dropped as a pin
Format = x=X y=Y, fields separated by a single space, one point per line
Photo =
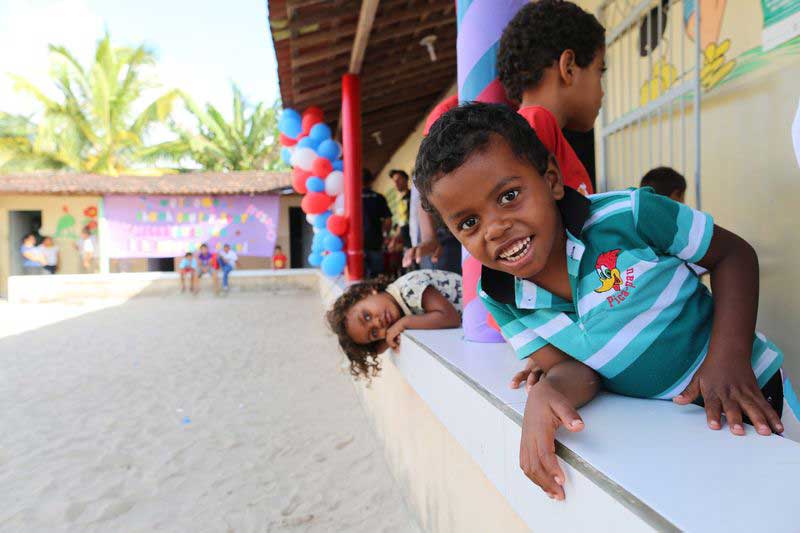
x=363 y=357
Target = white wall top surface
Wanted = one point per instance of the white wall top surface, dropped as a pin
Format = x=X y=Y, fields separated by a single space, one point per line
x=659 y=453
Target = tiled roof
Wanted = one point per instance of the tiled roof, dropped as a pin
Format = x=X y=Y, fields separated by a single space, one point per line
x=245 y=182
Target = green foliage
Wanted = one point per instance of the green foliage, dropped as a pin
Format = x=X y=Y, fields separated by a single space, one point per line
x=94 y=124
x=249 y=141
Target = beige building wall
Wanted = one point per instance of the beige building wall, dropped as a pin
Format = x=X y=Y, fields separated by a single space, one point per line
x=56 y=222
x=750 y=180
x=62 y=218
x=402 y=159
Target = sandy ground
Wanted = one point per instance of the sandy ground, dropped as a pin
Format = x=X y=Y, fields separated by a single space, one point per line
x=185 y=414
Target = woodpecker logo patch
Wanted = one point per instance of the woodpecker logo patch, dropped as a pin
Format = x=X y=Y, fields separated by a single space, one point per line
x=611 y=279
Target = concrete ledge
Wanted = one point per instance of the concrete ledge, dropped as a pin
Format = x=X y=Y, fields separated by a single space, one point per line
x=38 y=289
x=638 y=465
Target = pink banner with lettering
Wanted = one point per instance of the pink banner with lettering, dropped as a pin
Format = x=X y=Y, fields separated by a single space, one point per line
x=169 y=226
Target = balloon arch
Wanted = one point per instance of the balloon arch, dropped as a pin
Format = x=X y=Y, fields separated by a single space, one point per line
x=317 y=174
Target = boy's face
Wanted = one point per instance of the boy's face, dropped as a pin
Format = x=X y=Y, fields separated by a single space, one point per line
x=586 y=93
x=509 y=220
x=368 y=320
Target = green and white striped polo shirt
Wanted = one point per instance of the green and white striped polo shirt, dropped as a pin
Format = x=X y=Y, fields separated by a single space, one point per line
x=639 y=316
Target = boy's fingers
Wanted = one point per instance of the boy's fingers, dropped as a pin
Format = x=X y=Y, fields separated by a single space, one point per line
x=554 y=474
x=689 y=394
x=757 y=415
x=567 y=415
x=713 y=412
x=533 y=378
x=734 y=416
x=772 y=417
x=518 y=378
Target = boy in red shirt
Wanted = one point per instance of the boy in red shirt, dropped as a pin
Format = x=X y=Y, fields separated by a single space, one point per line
x=278 y=259
x=551 y=61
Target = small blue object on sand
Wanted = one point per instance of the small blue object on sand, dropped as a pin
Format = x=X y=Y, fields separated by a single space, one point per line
x=186 y=420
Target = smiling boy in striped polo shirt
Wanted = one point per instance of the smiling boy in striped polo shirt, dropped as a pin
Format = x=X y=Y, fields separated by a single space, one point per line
x=597 y=290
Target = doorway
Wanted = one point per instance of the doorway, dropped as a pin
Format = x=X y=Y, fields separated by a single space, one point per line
x=300 y=237
x=160 y=264
x=20 y=224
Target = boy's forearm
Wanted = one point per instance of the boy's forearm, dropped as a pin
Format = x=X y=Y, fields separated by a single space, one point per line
x=734 y=281
x=576 y=381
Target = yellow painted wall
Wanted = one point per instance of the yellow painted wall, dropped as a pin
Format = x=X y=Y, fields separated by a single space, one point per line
x=402 y=159
x=749 y=175
x=52 y=208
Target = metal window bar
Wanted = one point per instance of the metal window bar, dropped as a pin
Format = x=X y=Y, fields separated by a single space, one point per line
x=654 y=102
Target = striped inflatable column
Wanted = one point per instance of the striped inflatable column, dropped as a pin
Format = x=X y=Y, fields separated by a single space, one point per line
x=480 y=25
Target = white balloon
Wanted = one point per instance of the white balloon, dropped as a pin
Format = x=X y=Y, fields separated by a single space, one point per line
x=339 y=203
x=334 y=183
x=316 y=230
x=311 y=218
x=339 y=211
x=303 y=158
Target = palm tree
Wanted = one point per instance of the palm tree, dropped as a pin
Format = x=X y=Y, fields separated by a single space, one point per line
x=248 y=142
x=93 y=125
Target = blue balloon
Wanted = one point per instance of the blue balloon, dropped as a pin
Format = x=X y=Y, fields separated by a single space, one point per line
x=286 y=155
x=308 y=142
x=289 y=112
x=328 y=149
x=315 y=184
x=290 y=126
x=333 y=243
x=333 y=264
x=320 y=131
x=338 y=164
x=322 y=219
x=317 y=247
x=314 y=259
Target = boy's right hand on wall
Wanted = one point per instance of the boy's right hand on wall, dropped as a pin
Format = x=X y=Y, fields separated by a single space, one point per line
x=530 y=375
x=545 y=410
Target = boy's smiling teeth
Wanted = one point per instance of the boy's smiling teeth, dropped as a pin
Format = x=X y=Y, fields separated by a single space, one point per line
x=516 y=250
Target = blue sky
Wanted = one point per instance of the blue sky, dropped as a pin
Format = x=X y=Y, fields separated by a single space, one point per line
x=201 y=45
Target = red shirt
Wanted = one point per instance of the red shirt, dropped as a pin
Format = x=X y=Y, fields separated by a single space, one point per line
x=279 y=261
x=546 y=127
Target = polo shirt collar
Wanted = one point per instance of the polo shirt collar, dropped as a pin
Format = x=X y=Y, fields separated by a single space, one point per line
x=503 y=287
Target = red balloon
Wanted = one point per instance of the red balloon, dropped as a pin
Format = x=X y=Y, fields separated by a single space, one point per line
x=315 y=111
x=309 y=121
x=337 y=224
x=286 y=141
x=321 y=167
x=297 y=171
x=315 y=203
x=299 y=184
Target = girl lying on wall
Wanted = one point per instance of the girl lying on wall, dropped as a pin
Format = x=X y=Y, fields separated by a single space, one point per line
x=370 y=316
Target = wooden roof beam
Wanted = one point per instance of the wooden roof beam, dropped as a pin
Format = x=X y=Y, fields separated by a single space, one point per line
x=366 y=18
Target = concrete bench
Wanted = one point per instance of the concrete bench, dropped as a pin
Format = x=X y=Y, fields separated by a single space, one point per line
x=638 y=465
x=60 y=287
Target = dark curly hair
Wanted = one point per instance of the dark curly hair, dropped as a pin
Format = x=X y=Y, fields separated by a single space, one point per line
x=664 y=180
x=538 y=35
x=467 y=129
x=363 y=357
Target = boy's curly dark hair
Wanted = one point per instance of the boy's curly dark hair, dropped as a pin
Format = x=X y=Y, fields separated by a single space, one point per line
x=467 y=129
x=664 y=180
x=363 y=357
x=538 y=35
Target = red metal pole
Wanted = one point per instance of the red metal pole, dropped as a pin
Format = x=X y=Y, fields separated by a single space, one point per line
x=351 y=143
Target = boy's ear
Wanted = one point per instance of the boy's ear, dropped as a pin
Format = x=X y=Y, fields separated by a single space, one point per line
x=566 y=67
x=553 y=178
